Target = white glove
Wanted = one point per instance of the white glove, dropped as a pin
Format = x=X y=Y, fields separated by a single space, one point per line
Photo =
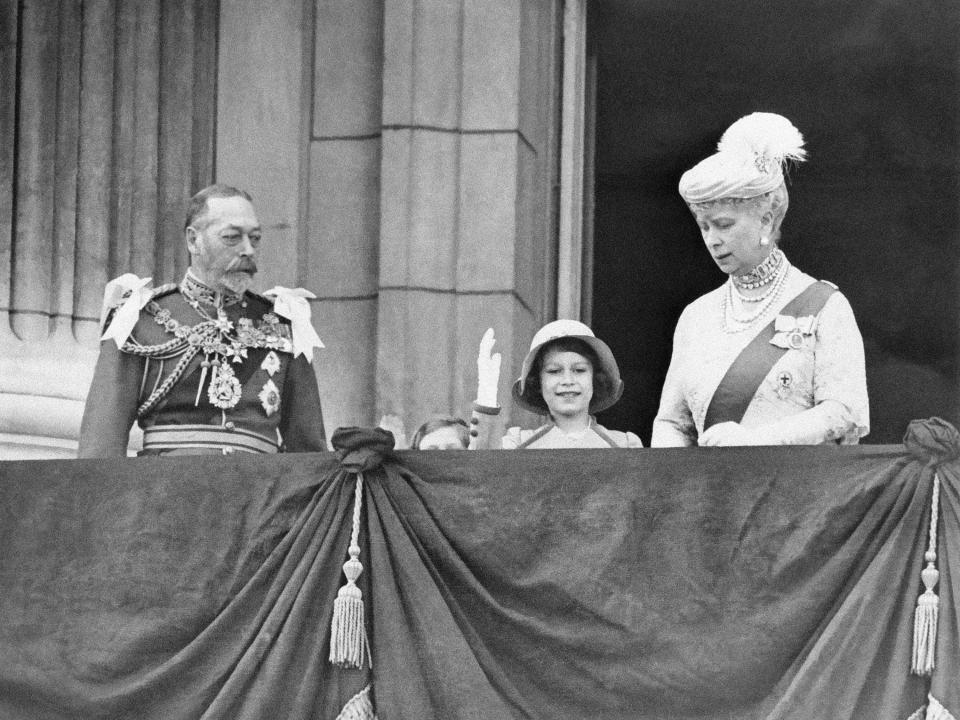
x=488 y=371
x=727 y=433
x=830 y=420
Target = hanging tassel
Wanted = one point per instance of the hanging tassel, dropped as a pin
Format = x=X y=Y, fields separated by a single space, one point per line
x=928 y=604
x=349 y=646
x=359 y=707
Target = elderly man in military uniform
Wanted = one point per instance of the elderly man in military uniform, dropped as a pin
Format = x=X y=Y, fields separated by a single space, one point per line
x=206 y=366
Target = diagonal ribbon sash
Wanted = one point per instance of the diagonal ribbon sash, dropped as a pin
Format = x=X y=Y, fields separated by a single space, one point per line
x=740 y=383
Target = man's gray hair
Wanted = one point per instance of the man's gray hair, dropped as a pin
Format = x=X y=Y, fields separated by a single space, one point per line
x=198 y=203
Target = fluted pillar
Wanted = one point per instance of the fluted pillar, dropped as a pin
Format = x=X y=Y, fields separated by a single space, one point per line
x=106 y=116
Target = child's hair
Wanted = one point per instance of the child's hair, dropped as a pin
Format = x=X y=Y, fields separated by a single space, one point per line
x=437 y=423
x=602 y=384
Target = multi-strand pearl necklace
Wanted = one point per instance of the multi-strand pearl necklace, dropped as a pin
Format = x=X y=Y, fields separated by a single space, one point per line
x=729 y=320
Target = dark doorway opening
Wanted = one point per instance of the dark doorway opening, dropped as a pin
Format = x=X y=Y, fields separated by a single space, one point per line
x=873 y=86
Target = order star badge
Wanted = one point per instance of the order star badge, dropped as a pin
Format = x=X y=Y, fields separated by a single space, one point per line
x=271 y=363
x=225 y=389
x=269 y=398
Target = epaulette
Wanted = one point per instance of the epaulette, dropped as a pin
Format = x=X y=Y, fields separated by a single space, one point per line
x=293 y=304
x=267 y=300
x=155 y=294
x=108 y=318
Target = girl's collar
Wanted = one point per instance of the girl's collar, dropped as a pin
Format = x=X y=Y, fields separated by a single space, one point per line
x=591 y=421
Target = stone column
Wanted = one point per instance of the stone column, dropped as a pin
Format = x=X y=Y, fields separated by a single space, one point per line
x=468 y=161
x=299 y=128
x=106 y=111
x=344 y=216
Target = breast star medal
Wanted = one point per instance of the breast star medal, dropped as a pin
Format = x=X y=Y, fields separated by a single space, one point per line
x=269 y=398
x=271 y=363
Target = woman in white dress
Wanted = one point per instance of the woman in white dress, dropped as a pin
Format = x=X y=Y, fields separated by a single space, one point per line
x=568 y=374
x=772 y=356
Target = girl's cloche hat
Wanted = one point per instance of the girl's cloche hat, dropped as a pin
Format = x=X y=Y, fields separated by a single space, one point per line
x=603 y=397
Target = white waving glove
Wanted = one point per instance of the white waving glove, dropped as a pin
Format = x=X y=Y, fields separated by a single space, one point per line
x=488 y=371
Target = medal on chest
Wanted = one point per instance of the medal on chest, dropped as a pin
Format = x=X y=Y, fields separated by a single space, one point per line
x=784 y=384
x=269 y=398
x=224 y=390
x=222 y=343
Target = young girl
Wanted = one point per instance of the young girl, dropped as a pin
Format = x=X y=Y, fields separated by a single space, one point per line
x=569 y=375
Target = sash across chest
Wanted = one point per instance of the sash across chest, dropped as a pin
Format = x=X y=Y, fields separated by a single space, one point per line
x=742 y=380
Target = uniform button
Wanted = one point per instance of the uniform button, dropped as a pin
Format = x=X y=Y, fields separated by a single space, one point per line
x=474 y=433
x=228 y=451
x=474 y=421
x=229 y=425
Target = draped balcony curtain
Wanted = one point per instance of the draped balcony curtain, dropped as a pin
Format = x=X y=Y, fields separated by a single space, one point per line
x=767 y=583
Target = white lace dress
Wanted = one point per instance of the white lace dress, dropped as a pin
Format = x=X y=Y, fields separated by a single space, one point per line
x=828 y=366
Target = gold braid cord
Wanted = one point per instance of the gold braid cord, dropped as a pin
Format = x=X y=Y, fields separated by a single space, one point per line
x=216 y=338
x=164 y=388
x=179 y=346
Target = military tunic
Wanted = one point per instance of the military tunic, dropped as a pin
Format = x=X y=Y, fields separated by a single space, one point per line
x=199 y=380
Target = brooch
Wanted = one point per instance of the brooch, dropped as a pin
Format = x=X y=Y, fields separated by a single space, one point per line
x=791 y=333
x=785 y=384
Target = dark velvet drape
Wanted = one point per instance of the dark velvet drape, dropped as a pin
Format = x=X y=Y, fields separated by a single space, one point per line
x=742 y=583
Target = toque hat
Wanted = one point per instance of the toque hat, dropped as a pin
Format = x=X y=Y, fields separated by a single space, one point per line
x=525 y=396
x=749 y=160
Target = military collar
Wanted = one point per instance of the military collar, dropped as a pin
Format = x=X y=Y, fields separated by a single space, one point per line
x=193 y=289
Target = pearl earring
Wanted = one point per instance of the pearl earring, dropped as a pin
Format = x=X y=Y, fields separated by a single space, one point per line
x=764 y=240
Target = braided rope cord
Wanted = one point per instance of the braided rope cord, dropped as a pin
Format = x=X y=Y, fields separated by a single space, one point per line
x=931 y=554
x=175 y=347
x=357 y=505
x=197 y=339
x=165 y=387
x=164 y=351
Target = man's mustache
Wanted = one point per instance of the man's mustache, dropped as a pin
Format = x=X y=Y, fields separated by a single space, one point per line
x=243 y=264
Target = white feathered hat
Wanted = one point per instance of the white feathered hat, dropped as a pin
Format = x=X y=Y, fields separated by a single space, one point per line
x=749 y=160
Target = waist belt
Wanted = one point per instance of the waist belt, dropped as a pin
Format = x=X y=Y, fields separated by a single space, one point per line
x=228 y=438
